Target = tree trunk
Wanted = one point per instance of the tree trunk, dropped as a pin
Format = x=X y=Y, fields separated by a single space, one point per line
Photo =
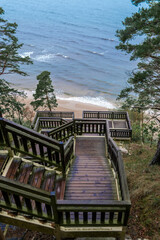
x=156 y=158
x=1 y=235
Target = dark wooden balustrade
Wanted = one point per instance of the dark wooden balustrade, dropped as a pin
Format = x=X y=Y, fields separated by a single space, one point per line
x=78 y=126
x=40 y=147
x=93 y=213
x=67 y=213
x=104 y=114
x=117 y=162
x=55 y=114
x=28 y=200
x=48 y=123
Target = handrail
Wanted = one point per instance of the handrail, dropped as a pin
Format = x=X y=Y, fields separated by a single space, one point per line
x=117 y=161
x=31 y=143
x=104 y=114
x=93 y=213
x=38 y=203
x=48 y=123
x=78 y=126
x=63 y=132
x=128 y=121
x=52 y=114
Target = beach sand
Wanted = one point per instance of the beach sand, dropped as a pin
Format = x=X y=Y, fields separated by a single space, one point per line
x=67 y=105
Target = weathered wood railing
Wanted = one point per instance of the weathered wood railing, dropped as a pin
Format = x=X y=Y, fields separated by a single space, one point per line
x=78 y=126
x=63 y=132
x=28 y=200
x=121 y=133
x=93 y=213
x=48 y=123
x=104 y=114
x=117 y=162
x=64 y=212
x=56 y=114
x=30 y=143
x=115 y=133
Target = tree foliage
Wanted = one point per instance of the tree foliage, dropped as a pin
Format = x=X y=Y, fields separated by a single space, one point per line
x=9 y=103
x=141 y=39
x=44 y=95
x=10 y=59
x=10 y=62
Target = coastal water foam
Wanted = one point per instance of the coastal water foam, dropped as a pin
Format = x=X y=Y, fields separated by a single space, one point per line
x=75 y=41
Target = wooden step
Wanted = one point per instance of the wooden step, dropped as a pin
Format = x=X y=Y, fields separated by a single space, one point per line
x=12 y=171
x=24 y=172
x=36 y=177
x=49 y=181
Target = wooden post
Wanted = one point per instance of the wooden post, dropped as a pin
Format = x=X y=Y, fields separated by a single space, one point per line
x=56 y=217
x=1 y=114
x=62 y=158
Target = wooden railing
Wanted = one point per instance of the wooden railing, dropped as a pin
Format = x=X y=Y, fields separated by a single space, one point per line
x=28 y=200
x=115 y=133
x=78 y=126
x=48 y=123
x=104 y=114
x=64 y=212
x=117 y=162
x=63 y=132
x=93 y=213
x=121 y=133
x=30 y=143
x=55 y=114
x=43 y=205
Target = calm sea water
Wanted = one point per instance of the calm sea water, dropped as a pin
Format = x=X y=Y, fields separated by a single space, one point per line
x=74 y=40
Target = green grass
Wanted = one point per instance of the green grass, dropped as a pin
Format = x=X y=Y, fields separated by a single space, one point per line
x=144 y=188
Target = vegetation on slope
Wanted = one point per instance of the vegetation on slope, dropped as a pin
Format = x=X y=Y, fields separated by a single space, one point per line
x=143 y=181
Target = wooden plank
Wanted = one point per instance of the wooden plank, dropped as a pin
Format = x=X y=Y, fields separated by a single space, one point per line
x=90 y=176
x=13 y=168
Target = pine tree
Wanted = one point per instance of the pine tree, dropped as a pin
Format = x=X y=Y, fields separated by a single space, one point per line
x=44 y=95
x=10 y=62
x=143 y=89
x=10 y=59
x=9 y=103
x=144 y=83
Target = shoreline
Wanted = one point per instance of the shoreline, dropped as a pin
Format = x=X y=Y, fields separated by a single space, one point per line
x=69 y=105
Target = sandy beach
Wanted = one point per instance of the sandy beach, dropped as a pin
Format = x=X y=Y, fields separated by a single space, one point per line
x=67 y=105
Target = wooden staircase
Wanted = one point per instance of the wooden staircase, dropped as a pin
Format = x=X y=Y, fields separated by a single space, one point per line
x=34 y=174
x=90 y=176
x=32 y=182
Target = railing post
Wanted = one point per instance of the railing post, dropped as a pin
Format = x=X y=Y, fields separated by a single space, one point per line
x=62 y=158
x=54 y=206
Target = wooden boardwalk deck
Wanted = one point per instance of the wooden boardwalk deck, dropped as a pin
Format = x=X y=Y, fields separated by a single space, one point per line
x=90 y=177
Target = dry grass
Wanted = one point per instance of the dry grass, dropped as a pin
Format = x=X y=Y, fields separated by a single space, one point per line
x=144 y=187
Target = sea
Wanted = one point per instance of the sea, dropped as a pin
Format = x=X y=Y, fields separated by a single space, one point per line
x=75 y=41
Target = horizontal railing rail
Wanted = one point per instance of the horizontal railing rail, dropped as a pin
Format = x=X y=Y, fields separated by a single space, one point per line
x=121 y=133
x=52 y=114
x=104 y=114
x=28 y=200
x=116 y=159
x=93 y=213
x=89 y=126
x=63 y=132
x=78 y=126
x=30 y=143
x=48 y=123
x=68 y=152
x=128 y=121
